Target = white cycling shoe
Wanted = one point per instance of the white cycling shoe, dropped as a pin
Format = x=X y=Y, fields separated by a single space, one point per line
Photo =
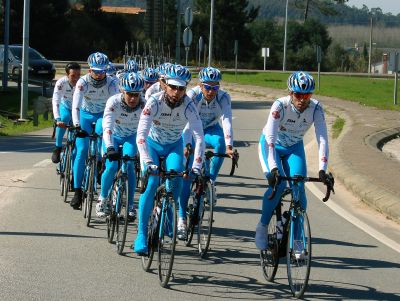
x=261 y=238
x=181 y=233
x=102 y=208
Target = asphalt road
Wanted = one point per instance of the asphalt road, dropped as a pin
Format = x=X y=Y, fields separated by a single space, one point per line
x=48 y=253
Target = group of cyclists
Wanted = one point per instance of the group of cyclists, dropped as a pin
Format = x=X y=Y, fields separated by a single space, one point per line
x=152 y=113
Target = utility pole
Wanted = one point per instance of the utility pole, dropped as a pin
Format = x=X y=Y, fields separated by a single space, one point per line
x=210 y=46
x=178 y=32
x=370 y=46
x=6 y=42
x=285 y=40
x=25 y=61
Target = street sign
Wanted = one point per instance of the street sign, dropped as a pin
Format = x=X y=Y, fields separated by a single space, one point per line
x=188 y=16
x=392 y=61
x=319 y=54
x=201 y=43
x=265 y=52
x=236 y=47
x=187 y=37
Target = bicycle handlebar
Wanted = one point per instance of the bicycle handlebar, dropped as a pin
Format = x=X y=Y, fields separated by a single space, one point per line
x=235 y=159
x=329 y=183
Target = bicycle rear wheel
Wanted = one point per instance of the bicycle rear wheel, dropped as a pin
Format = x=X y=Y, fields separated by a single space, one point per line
x=298 y=254
x=167 y=238
x=111 y=219
x=152 y=235
x=67 y=174
x=122 y=216
x=269 y=258
x=192 y=213
x=61 y=170
x=206 y=213
x=84 y=190
x=90 y=193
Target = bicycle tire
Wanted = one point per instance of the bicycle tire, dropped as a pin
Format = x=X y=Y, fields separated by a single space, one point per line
x=111 y=219
x=269 y=259
x=84 y=190
x=67 y=174
x=152 y=235
x=61 y=171
x=122 y=216
x=206 y=213
x=298 y=269
x=90 y=193
x=167 y=237
x=192 y=214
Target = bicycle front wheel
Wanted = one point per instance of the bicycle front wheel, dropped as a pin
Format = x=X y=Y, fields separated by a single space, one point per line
x=111 y=219
x=167 y=238
x=152 y=235
x=269 y=258
x=298 y=254
x=61 y=170
x=67 y=174
x=90 y=193
x=122 y=216
x=192 y=213
x=206 y=213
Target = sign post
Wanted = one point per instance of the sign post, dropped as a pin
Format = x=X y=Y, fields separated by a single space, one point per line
x=319 y=59
x=235 y=52
x=187 y=33
x=265 y=54
x=201 y=47
x=396 y=69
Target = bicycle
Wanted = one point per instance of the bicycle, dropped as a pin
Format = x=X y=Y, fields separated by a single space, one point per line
x=64 y=167
x=289 y=235
x=118 y=219
x=89 y=183
x=162 y=225
x=200 y=209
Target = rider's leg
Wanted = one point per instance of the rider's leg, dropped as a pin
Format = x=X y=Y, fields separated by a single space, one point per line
x=214 y=136
x=130 y=149
x=185 y=193
x=65 y=116
x=108 y=173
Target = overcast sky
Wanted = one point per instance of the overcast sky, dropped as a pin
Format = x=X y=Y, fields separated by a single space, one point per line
x=387 y=6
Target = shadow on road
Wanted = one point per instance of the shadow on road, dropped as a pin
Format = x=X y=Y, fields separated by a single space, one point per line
x=251 y=105
x=47 y=234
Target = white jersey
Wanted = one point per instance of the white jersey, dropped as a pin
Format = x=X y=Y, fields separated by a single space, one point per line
x=286 y=126
x=92 y=99
x=211 y=112
x=63 y=92
x=153 y=89
x=164 y=125
x=119 y=119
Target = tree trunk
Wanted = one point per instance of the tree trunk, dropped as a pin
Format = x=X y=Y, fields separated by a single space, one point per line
x=306 y=10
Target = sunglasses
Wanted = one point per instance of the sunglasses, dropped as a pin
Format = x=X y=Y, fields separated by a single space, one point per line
x=302 y=95
x=98 y=72
x=209 y=87
x=180 y=88
x=133 y=94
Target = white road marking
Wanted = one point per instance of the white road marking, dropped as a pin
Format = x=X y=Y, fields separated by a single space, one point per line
x=43 y=163
x=27 y=149
x=354 y=220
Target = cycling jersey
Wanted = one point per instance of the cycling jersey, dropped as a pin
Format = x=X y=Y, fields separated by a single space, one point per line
x=63 y=92
x=90 y=98
x=153 y=89
x=211 y=112
x=166 y=124
x=119 y=119
x=286 y=127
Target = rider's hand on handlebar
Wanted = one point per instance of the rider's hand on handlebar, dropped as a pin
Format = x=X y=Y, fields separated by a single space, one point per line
x=152 y=168
x=272 y=177
x=61 y=124
x=323 y=177
x=80 y=133
x=112 y=154
x=229 y=151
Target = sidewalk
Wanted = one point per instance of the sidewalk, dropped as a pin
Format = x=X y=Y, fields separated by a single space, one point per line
x=355 y=158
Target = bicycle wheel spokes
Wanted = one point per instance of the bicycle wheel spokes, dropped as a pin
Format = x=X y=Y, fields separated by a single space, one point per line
x=67 y=174
x=167 y=240
x=90 y=193
x=122 y=216
x=61 y=170
x=152 y=236
x=192 y=214
x=111 y=219
x=299 y=253
x=204 y=227
x=269 y=258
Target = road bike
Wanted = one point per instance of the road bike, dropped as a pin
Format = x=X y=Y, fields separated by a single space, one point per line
x=289 y=235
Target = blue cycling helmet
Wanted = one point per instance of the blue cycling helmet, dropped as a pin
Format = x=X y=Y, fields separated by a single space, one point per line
x=301 y=82
x=98 y=61
x=111 y=70
x=132 y=66
x=177 y=75
x=161 y=69
x=149 y=75
x=132 y=82
x=210 y=74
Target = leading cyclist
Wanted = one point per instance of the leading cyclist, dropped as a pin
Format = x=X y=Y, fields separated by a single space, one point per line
x=160 y=134
x=281 y=147
x=89 y=100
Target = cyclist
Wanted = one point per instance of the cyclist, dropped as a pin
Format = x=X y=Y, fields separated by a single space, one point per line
x=111 y=70
x=160 y=85
x=62 y=102
x=164 y=117
x=120 y=121
x=213 y=105
x=150 y=77
x=88 y=104
x=131 y=66
x=281 y=148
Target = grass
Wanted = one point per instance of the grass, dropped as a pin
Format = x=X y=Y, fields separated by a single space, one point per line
x=373 y=92
x=10 y=102
x=337 y=127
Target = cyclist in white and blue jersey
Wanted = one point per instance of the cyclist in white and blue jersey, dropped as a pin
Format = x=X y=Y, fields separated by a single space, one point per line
x=150 y=77
x=120 y=122
x=213 y=105
x=89 y=100
x=62 y=103
x=160 y=85
x=160 y=134
x=130 y=66
x=281 y=148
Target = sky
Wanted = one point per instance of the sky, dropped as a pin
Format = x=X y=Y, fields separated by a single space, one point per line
x=387 y=6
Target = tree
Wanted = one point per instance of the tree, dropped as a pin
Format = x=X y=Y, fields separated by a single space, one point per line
x=324 y=6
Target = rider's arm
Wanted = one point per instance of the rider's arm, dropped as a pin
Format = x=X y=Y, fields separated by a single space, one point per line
x=57 y=95
x=271 y=132
x=196 y=126
x=321 y=134
x=77 y=101
x=113 y=87
x=108 y=122
x=187 y=135
x=227 y=119
x=146 y=118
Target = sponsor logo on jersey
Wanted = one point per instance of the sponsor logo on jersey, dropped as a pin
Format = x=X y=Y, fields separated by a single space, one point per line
x=199 y=160
x=117 y=121
x=80 y=88
x=276 y=115
x=291 y=121
x=165 y=114
x=271 y=145
x=109 y=132
x=124 y=114
x=324 y=159
x=156 y=122
x=146 y=111
x=141 y=141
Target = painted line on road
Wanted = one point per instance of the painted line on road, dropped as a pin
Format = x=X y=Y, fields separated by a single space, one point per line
x=27 y=149
x=354 y=220
x=43 y=163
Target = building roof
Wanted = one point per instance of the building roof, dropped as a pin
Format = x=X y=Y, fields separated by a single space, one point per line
x=123 y=10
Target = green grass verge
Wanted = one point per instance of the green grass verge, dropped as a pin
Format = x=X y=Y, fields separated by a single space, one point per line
x=10 y=102
x=374 y=92
x=337 y=127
